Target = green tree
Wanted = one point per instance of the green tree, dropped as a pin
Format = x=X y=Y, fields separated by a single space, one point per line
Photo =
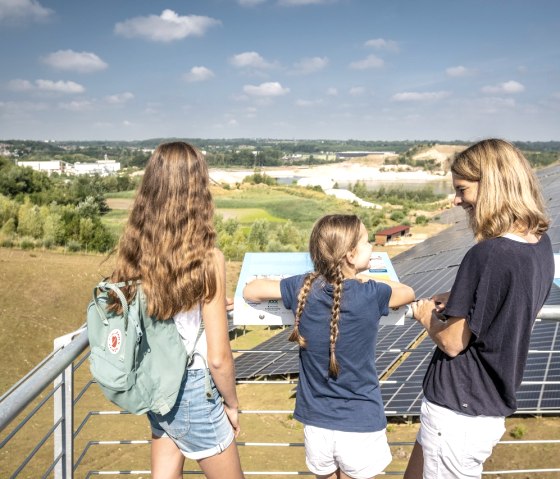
x=8 y=209
x=29 y=220
x=258 y=235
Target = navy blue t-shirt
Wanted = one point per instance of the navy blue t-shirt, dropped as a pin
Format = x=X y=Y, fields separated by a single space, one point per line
x=500 y=287
x=352 y=401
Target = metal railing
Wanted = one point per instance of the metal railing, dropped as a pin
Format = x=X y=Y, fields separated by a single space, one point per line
x=32 y=393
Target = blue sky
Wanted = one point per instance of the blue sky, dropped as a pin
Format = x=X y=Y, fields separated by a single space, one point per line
x=293 y=69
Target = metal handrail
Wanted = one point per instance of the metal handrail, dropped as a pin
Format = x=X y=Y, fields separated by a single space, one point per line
x=18 y=399
x=59 y=367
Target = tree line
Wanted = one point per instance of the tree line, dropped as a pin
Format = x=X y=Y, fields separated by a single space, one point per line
x=55 y=211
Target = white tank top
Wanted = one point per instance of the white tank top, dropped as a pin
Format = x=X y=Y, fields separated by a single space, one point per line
x=187 y=323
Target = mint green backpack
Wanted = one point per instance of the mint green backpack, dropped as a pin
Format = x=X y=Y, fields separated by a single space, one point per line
x=138 y=361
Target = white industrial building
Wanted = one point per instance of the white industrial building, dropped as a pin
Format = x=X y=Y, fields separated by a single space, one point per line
x=100 y=167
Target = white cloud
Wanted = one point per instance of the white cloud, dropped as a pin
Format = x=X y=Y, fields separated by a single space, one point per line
x=23 y=10
x=308 y=103
x=20 y=85
x=16 y=107
x=371 y=61
x=507 y=87
x=310 y=65
x=267 y=89
x=295 y=3
x=197 y=74
x=251 y=112
x=46 y=85
x=420 y=96
x=119 y=98
x=357 y=91
x=82 y=62
x=382 y=44
x=59 y=86
x=76 y=105
x=490 y=105
x=458 y=71
x=250 y=60
x=332 y=91
x=250 y=3
x=169 y=26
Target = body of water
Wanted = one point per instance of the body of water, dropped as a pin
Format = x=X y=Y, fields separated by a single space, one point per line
x=441 y=187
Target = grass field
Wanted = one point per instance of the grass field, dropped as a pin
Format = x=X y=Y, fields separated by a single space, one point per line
x=45 y=295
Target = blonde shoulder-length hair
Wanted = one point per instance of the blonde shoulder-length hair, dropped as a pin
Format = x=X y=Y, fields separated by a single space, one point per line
x=168 y=242
x=509 y=195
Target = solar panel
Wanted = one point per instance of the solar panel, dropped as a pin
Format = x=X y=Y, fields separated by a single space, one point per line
x=430 y=267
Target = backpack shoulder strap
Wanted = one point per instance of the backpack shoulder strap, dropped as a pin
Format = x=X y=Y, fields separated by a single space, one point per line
x=106 y=286
x=194 y=352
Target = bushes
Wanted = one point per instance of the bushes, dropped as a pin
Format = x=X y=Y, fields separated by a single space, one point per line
x=31 y=226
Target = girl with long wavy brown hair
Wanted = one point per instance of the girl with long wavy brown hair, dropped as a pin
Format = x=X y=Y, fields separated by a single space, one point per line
x=169 y=244
x=337 y=316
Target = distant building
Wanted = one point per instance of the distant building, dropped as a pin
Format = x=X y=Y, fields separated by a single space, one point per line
x=389 y=234
x=100 y=167
x=49 y=167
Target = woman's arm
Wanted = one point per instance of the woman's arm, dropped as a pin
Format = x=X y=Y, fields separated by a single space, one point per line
x=262 y=289
x=451 y=336
x=220 y=357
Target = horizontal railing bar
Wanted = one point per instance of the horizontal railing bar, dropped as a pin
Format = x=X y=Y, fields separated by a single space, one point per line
x=21 y=397
x=78 y=396
x=25 y=420
x=52 y=466
x=520 y=471
x=305 y=473
x=256 y=381
x=36 y=448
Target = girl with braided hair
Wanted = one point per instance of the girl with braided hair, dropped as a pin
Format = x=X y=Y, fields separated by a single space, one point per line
x=337 y=316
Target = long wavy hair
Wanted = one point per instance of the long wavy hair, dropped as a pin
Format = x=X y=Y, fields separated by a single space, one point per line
x=168 y=242
x=332 y=237
x=509 y=195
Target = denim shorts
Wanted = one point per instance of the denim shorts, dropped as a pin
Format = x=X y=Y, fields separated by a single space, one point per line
x=198 y=426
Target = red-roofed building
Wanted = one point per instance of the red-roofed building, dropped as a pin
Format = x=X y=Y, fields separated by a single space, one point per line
x=389 y=234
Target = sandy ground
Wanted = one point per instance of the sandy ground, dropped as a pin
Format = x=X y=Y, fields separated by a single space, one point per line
x=326 y=175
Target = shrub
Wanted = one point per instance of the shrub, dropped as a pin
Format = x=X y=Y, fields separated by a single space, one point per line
x=421 y=220
x=73 y=246
x=6 y=243
x=517 y=432
x=27 y=243
x=397 y=216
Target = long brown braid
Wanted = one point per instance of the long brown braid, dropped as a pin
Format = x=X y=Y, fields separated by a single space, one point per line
x=295 y=336
x=335 y=318
x=332 y=237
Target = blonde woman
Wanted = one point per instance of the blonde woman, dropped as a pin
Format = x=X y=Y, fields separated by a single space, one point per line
x=336 y=321
x=482 y=326
x=169 y=244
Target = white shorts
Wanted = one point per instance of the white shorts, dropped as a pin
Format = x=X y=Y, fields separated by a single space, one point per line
x=360 y=455
x=456 y=445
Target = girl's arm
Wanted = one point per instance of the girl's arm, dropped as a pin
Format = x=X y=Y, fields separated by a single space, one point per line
x=262 y=289
x=451 y=336
x=401 y=293
x=220 y=357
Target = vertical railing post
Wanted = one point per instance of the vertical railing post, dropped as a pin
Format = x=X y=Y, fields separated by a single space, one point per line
x=64 y=409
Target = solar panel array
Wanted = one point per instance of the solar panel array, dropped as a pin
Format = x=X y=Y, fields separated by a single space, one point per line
x=430 y=267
